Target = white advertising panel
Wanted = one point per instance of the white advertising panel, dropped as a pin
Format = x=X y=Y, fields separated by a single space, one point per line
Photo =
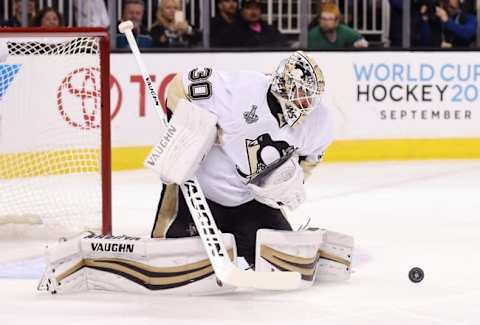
x=376 y=95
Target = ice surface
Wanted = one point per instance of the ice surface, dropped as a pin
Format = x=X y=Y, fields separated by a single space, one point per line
x=402 y=214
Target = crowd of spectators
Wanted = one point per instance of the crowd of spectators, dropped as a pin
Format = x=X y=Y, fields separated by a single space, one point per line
x=239 y=24
x=443 y=24
x=435 y=23
x=232 y=26
x=243 y=27
x=88 y=13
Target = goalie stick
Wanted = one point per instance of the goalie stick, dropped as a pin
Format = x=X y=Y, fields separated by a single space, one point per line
x=224 y=268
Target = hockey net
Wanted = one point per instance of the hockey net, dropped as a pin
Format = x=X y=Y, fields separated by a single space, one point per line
x=54 y=132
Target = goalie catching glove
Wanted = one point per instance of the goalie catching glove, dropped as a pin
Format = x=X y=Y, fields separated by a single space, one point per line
x=190 y=134
x=283 y=187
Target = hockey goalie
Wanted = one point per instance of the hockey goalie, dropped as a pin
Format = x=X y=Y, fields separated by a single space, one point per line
x=251 y=140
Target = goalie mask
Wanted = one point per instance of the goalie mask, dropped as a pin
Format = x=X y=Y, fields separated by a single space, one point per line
x=296 y=83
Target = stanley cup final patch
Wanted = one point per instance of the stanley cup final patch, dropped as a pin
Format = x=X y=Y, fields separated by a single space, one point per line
x=250 y=116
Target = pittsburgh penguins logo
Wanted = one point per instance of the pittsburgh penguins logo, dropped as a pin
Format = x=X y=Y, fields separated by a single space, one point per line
x=264 y=155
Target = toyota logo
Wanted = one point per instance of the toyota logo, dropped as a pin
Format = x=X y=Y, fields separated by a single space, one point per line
x=79 y=98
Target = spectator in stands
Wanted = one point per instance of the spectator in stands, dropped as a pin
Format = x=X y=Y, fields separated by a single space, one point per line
x=459 y=26
x=171 y=29
x=48 y=17
x=91 y=13
x=444 y=24
x=134 y=10
x=319 y=6
x=330 y=34
x=16 y=20
x=426 y=27
x=221 y=32
x=343 y=6
x=252 y=31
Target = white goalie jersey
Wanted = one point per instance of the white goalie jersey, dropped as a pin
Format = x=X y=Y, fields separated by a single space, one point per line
x=253 y=136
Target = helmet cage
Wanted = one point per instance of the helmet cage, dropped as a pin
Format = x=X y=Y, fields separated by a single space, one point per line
x=297 y=83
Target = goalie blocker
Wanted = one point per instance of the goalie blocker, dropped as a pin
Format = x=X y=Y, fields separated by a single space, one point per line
x=181 y=266
x=189 y=136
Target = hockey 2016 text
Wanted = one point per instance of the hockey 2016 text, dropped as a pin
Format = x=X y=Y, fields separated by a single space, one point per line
x=211 y=238
x=158 y=149
x=118 y=248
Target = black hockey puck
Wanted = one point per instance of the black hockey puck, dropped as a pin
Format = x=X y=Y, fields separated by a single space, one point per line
x=416 y=275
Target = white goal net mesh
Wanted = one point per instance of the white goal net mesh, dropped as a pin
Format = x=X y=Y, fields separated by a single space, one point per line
x=50 y=136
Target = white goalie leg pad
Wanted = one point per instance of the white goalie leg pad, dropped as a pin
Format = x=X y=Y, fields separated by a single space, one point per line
x=59 y=258
x=318 y=255
x=335 y=262
x=131 y=264
x=280 y=250
x=190 y=134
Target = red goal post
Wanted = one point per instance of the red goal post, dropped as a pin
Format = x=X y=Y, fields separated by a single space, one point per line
x=66 y=71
